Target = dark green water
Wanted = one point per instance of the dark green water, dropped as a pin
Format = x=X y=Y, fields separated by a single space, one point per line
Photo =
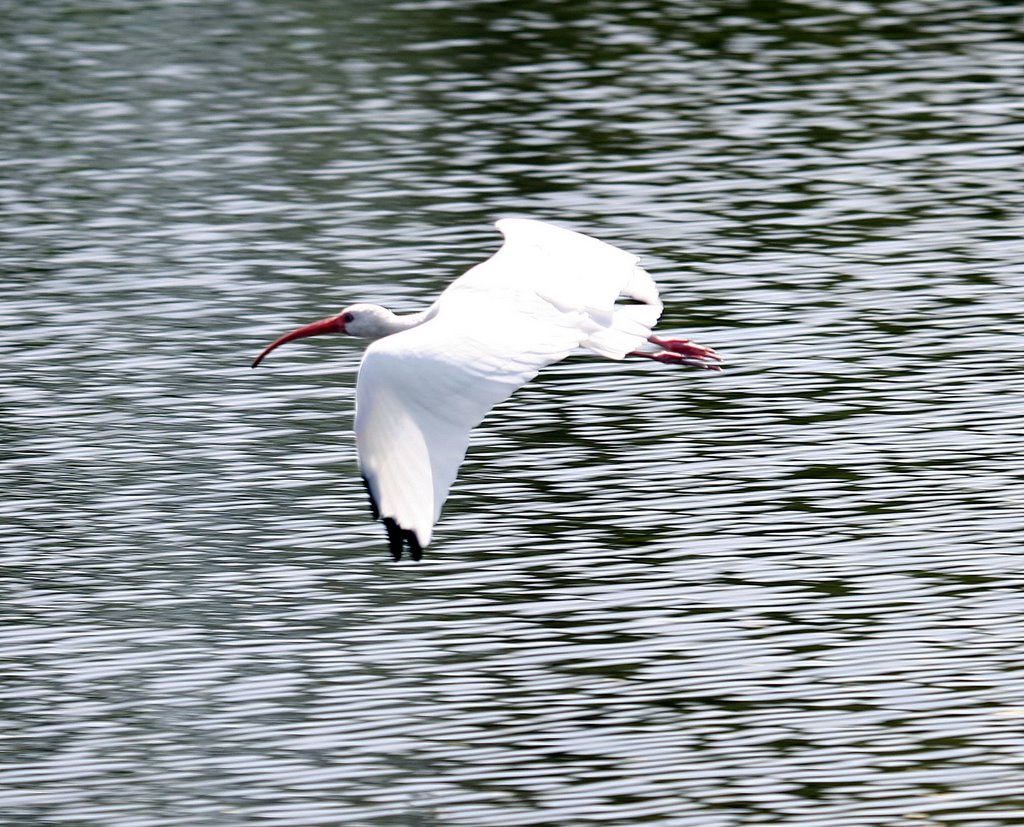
x=786 y=594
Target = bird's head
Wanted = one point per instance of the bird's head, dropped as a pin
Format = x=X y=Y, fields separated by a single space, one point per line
x=368 y=321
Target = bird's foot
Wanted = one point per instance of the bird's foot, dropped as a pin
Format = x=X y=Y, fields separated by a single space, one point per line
x=682 y=352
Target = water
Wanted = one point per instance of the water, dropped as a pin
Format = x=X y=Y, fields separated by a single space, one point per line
x=787 y=594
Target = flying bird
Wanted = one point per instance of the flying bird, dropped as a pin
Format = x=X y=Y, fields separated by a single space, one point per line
x=428 y=378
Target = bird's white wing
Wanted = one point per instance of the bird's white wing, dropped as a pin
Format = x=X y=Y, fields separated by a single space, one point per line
x=420 y=392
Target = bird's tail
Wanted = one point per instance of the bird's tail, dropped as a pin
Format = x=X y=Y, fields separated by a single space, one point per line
x=626 y=327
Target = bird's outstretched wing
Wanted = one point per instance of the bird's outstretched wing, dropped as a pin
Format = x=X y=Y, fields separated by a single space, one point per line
x=420 y=392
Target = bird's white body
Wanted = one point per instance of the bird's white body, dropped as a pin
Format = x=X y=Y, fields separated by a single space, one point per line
x=429 y=378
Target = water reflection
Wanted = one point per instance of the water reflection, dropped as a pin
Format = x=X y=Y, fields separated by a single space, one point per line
x=789 y=593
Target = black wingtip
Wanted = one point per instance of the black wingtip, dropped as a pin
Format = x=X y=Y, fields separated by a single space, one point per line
x=415 y=549
x=373 y=503
x=399 y=537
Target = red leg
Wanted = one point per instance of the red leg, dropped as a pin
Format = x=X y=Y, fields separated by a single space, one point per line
x=686 y=347
x=681 y=352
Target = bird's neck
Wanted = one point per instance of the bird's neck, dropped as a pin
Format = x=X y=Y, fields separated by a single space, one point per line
x=393 y=323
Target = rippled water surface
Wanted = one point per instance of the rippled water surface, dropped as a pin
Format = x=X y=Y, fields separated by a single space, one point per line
x=789 y=593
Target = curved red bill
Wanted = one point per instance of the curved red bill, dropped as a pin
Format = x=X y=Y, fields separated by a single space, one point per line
x=332 y=324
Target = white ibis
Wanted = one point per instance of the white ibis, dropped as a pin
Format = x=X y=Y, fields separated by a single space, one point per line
x=428 y=378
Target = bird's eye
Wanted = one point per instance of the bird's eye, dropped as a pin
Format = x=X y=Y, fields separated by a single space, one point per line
x=348 y=318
